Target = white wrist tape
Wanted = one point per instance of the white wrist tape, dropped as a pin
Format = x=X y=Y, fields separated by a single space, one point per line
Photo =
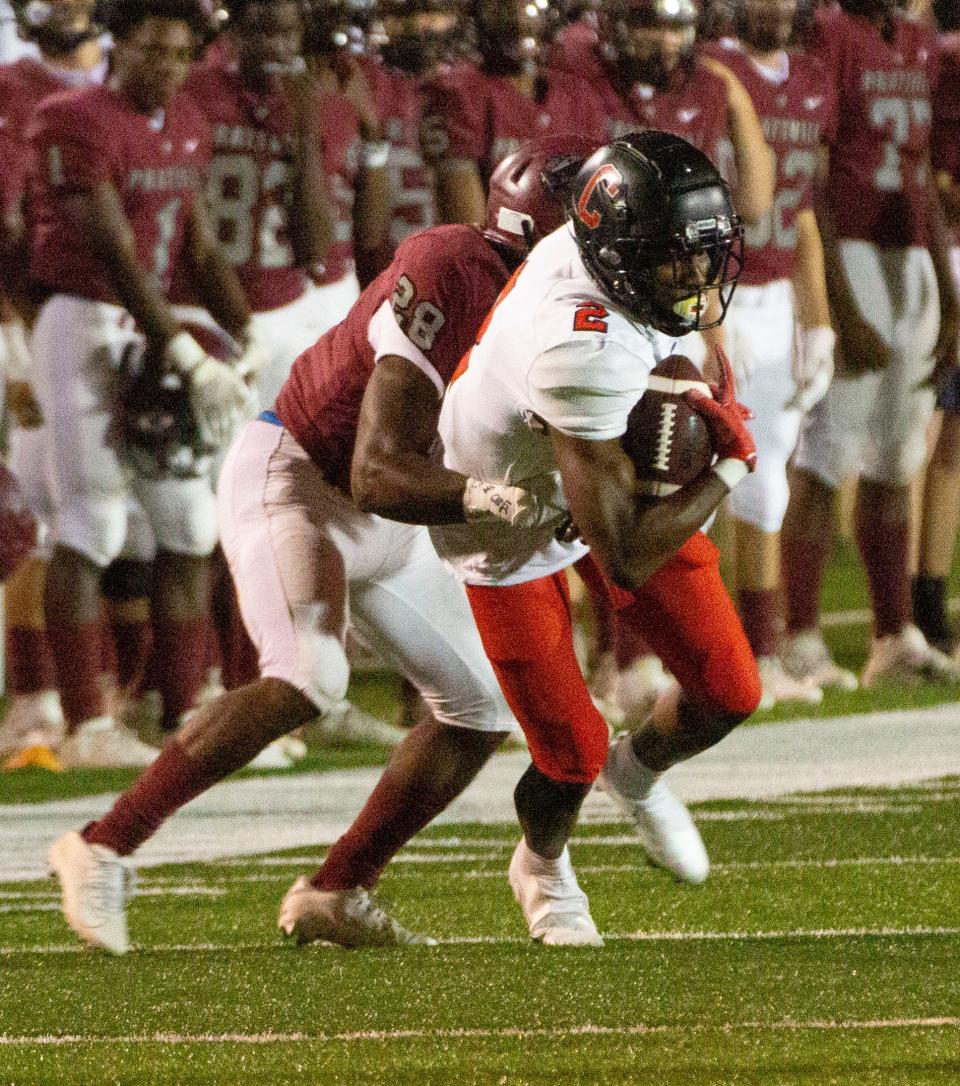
x=17 y=353
x=482 y=500
x=730 y=471
x=185 y=353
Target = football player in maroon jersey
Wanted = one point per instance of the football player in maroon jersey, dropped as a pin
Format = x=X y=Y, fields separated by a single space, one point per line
x=69 y=55
x=308 y=561
x=941 y=499
x=781 y=296
x=895 y=306
x=477 y=113
x=115 y=175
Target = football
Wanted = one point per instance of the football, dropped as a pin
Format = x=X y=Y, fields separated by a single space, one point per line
x=667 y=440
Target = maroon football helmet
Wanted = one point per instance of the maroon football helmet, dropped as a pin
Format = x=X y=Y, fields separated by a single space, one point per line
x=18 y=526
x=527 y=190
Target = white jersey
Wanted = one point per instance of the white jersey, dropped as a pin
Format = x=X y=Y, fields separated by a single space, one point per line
x=555 y=353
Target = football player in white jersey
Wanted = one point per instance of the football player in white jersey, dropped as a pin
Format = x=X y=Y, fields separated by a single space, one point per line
x=541 y=402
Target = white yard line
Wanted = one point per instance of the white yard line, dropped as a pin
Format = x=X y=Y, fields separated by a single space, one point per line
x=914 y=932
x=467 y=1033
x=269 y=814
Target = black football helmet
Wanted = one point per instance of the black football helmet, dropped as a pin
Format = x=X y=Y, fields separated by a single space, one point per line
x=646 y=41
x=155 y=430
x=656 y=229
x=57 y=26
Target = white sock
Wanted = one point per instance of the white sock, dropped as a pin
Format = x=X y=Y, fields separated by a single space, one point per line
x=560 y=868
x=630 y=776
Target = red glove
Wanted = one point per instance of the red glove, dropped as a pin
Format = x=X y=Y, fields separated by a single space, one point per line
x=727 y=423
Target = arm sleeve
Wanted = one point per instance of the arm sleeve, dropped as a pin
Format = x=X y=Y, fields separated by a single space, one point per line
x=587 y=387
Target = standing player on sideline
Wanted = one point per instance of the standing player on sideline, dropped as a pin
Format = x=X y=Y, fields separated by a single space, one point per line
x=896 y=312
x=113 y=188
x=69 y=55
x=781 y=297
x=308 y=561
x=477 y=114
x=941 y=498
x=541 y=402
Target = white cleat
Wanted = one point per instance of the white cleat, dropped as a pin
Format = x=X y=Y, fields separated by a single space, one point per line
x=639 y=685
x=97 y=883
x=665 y=827
x=908 y=658
x=805 y=656
x=349 y=918
x=556 y=910
x=779 y=687
x=33 y=720
x=346 y=725
x=103 y=744
x=282 y=753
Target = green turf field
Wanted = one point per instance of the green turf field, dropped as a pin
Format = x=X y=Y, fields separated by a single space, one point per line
x=824 y=948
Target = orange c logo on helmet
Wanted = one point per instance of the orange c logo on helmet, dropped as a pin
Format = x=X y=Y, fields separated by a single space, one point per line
x=610 y=177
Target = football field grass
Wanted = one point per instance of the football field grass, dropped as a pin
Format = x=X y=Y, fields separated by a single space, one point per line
x=824 y=948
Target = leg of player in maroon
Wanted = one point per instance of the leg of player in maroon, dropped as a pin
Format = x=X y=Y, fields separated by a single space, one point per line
x=882 y=526
x=429 y=769
x=29 y=661
x=219 y=739
x=759 y=608
x=805 y=547
x=75 y=634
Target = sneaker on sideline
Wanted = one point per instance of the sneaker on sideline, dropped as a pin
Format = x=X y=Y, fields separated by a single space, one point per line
x=101 y=743
x=778 y=686
x=33 y=720
x=907 y=657
x=805 y=656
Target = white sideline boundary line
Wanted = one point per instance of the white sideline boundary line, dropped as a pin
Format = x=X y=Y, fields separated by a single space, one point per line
x=466 y=1033
x=798 y=934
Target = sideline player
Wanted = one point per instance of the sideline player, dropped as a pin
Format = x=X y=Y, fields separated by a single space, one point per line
x=778 y=328
x=308 y=561
x=541 y=402
x=896 y=315
x=478 y=113
x=941 y=499
x=115 y=174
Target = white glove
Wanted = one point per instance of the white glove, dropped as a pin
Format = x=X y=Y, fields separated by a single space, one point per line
x=14 y=352
x=518 y=507
x=812 y=367
x=218 y=395
x=252 y=360
x=743 y=360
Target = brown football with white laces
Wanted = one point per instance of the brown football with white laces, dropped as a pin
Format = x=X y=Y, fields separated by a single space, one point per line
x=667 y=440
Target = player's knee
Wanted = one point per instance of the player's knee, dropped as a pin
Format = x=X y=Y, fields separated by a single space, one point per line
x=322 y=667
x=577 y=761
x=94 y=526
x=127 y=579
x=192 y=532
x=732 y=688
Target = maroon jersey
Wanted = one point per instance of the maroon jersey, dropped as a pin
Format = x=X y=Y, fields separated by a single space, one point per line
x=796 y=112
x=693 y=105
x=248 y=186
x=878 y=154
x=341 y=159
x=399 y=100
x=439 y=288
x=472 y=115
x=945 y=136
x=23 y=86
x=155 y=163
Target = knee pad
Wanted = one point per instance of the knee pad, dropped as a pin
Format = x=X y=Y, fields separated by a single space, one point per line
x=127 y=579
x=94 y=525
x=323 y=671
x=761 y=498
x=189 y=525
